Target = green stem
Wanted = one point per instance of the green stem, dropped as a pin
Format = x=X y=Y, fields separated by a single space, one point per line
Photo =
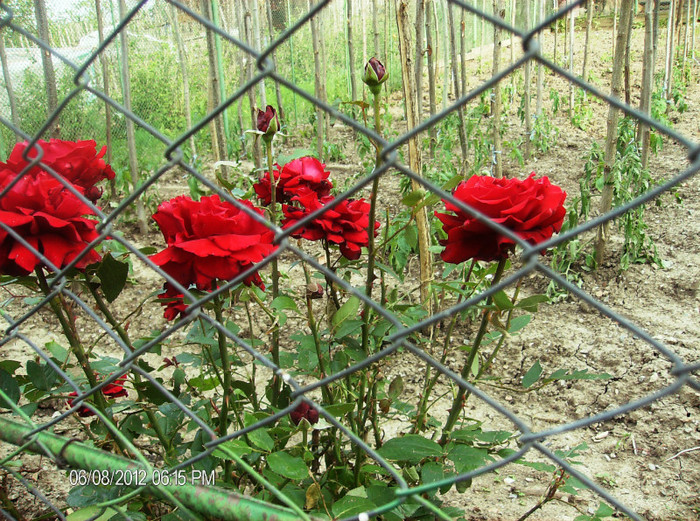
x=370 y=226
x=137 y=379
x=329 y=281
x=461 y=396
x=60 y=309
x=254 y=397
x=275 y=347
x=328 y=398
x=429 y=382
x=227 y=391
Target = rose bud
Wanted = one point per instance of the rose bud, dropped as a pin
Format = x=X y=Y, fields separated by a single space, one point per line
x=304 y=410
x=314 y=290
x=375 y=75
x=268 y=123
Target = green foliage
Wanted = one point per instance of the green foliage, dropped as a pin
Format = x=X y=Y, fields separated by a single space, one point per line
x=629 y=181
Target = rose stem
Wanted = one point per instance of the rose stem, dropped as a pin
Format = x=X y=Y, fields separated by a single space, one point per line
x=226 y=370
x=460 y=398
x=275 y=348
x=137 y=378
x=254 y=396
x=73 y=339
x=371 y=406
x=329 y=282
x=429 y=382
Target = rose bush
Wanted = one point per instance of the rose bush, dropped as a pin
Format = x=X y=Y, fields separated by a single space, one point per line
x=297 y=176
x=77 y=161
x=532 y=208
x=209 y=240
x=345 y=224
x=49 y=217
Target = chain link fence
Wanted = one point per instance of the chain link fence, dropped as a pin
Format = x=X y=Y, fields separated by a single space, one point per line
x=203 y=499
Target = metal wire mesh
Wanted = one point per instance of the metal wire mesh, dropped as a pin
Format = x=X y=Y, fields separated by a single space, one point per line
x=28 y=435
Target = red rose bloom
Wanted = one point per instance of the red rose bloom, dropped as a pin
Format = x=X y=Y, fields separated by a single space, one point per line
x=345 y=224
x=173 y=301
x=210 y=240
x=295 y=177
x=304 y=410
x=49 y=217
x=532 y=209
x=77 y=161
x=113 y=390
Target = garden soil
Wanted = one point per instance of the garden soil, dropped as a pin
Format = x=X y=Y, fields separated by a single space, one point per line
x=649 y=458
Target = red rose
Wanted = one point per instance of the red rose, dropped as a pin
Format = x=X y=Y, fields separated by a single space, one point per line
x=173 y=301
x=295 y=177
x=49 y=217
x=113 y=390
x=210 y=240
x=304 y=410
x=77 y=161
x=532 y=209
x=345 y=224
x=116 y=388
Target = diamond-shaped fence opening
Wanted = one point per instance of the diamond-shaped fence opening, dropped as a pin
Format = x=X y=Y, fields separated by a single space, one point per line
x=304 y=369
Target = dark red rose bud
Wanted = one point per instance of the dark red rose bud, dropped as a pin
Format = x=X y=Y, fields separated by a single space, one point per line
x=93 y=193
x=268 y=123
x=375 y=75
x=304 y=410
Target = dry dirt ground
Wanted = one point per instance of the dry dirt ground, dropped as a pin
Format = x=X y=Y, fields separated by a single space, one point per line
x=639 y=457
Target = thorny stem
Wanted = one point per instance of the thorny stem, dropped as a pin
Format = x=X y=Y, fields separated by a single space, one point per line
x=317 y=339
x=254 y=396
x=137 y=379
x=359 y=454
x=63 y=313
x=226 y=370
x=559 y=480
x=329 y=281
x=428 y=382
x=460 y=398
x=370 y=226
x=275 y=347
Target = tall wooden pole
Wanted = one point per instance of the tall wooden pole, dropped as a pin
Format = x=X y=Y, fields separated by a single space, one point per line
x=130 y=132
x=613 y=117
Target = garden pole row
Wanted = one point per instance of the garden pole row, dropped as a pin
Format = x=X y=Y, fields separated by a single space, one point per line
x=207 y=500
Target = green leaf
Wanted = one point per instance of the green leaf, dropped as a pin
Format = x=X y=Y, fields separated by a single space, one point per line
x=347 y=310
x=348 y=328
x=395 y=387
x=59 y=352
x=284 y=302
x=517 y=323
x=283 y=159
x=604 y=510
x=351 y=506
x=428 y=201
x=467 y=458
x=530 y=303
x=533 y=374
x=413 y=198
x=291 y=467
x=411 y=448
x=502 y=301
x=112 y=274
x=43 y=376
x=91 y=513
x=9 y=386
x=339 y=409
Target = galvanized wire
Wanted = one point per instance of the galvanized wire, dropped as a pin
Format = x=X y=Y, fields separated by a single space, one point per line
x=37 y=437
